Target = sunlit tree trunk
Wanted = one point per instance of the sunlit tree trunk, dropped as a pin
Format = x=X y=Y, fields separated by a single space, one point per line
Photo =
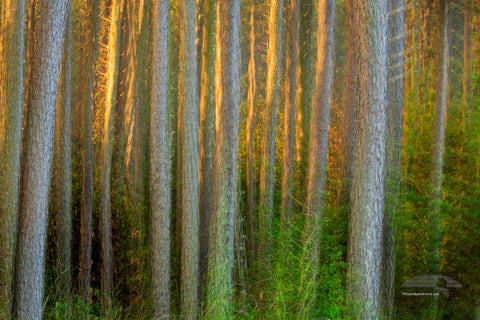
x=367 y=197
x=467 y=57
x=87 y=61
x=220 y=262
x=393 y=165
x=188 y=115
x=62 y=169
x=318 y=150
x=207 y=131
x=12 y=54
x=106 y=157
x=290 y=107
x=37 y=160
x=160 y=166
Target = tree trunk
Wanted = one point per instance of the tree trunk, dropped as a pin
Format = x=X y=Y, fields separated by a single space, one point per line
x=12 y=54
x=37 y=161
x=62 y=169
x=88 y=56
x=290 y=107
x=220 y=264
x=467 y=57
x=367 y=197
x=393 y=165
x=106 y=157
x=318 y=150
x=188 y=115
x=160 y=166
x=207 y=132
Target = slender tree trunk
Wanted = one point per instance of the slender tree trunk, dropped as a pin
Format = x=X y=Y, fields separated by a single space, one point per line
x=220 y=264
x=364 y=257
x=62 y=168
x=106 y=157
x=438 y=143
x=188 y=115
x=467 y=57
x=393 y=165
x=317 y=164
x=160 y=166
x=207 y=132
x=37 y=161
x=12 y=54
x=250 y=132
x=290 y=107
x=87 y=63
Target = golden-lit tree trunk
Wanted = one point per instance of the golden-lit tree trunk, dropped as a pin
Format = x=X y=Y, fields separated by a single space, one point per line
x=207 y=131
x=12 y=54
x=317 y=161
x=62 y=169
x=106 y=157
x=188 y=115
x=37 y=156
x=290 y=107
x=367 y=197
x=160 y=166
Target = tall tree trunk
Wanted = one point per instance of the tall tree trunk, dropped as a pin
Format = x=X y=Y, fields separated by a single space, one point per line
x=37 y=160
x=188 y=115
x=274 y=57
x=160 y=166
x=62 y=168
x=364 y=257
x=290 y=107
x=393 y=165
x=12 y=54
x=318 y=150
x=467 y=57
x=250 y=133
x=88 y=56
x=438 y=143
x=106 y=157
x=207 y=132
x=220 y=264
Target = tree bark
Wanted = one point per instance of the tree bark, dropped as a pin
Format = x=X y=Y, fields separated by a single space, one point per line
x=220 y=264
x=318 y=151
x=160 y=166
x=188 y=115
x=367 y=197
x=12 y=54
x=467 y=58
x=106 y=158
x=37 y=160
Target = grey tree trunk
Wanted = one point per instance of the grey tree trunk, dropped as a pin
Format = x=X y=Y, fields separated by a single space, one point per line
x=367 y=197
x=467 y=57
x=12 y=54
x=220 y=263
x=160 y=167
x=62 y=169
x=290 y=107
x=207 y=132
x=106 y=158
x=188 y=115
x=87 y=63
x=318 y=151
x=37 y=160
x=393 y=165
x=438 y=143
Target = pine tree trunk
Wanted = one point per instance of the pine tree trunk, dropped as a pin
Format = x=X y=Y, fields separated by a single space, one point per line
x=37 y=160
x=290 y=107
x=106 y=158
x=12 y=54
x=160 y=166
x=188 y=115
x=318 y=150
x=367 y=197
x=62 y=168
x=220 y=264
